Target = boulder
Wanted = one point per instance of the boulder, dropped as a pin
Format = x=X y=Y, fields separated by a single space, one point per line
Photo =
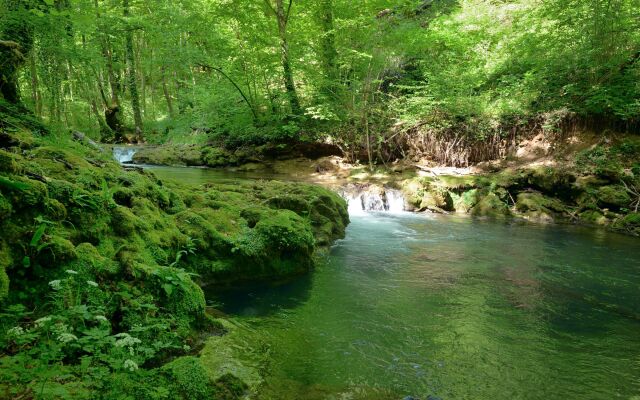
x=435 y=200
x=536 y=207
x=492 y=207
x=614 y=196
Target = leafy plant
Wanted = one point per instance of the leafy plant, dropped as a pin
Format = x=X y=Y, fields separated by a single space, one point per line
x=35 y=245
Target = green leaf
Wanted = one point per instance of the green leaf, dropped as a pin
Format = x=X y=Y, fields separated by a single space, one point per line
x=26 y=262
x=38 y=235
x=168 y=288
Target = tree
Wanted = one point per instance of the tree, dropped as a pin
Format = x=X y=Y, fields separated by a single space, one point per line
x=282 y=18
x=16 y=41
x=131 y=73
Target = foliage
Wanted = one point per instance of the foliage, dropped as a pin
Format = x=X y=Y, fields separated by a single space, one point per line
x=215 y=71
x=98 y=269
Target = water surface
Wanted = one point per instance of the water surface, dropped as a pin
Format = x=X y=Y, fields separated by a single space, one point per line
x=448 y=307
x=458 y=309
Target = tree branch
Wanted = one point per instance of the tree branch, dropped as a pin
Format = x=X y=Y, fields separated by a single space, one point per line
x=221 y=72
x=273 y=10
x=286 y=16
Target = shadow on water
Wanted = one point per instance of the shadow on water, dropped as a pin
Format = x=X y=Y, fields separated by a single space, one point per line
x=261 y=300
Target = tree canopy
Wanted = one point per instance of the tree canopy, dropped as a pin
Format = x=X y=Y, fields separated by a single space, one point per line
x=253 y=71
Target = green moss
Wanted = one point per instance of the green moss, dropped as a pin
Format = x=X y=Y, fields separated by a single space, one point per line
x=436 y=198
x=286 y=231
x=593 y=217
x=236 y=353
x=629 y=223
x=229 y=387
x=179 y=295
x=141 y=241
x=613 y=196
x=467 y=200
x=90 y=260
x=295 y=203
x=30 y=193
x=123 y=221
x=173 y=154
x=5 y=262
x=55 y=210
x=534 y=206
x=58 y=250
x=8 y=163
x=554 y=181
x=5 y=208
x=189 y=379
x=491 y=206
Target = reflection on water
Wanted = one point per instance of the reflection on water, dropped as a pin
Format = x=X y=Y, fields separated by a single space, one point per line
x=458 y=309
x=199 y=176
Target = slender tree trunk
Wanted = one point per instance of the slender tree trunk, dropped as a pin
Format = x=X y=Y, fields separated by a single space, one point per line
x=108 y=57
x=143 y=78
x=103 y=97
x=328 y=47
x=282 y=16
x=131 y=73
x=165 y=90
x=35 y=90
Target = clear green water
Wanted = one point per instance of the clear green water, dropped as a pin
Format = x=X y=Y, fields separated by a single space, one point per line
x=458 y=309
x=417 y=305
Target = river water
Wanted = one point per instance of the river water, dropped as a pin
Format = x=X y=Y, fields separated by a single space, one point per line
x=445 y=307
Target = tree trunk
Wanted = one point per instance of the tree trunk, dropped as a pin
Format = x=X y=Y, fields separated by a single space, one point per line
x=14 y=52
x=165 y=90
x=328 y=47
x=131 y=74
x=282 y=16
x=35 y=90
x=108 y=57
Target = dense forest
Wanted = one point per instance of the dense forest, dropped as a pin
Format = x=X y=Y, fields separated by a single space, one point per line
x=370 y=77
x=311 y=114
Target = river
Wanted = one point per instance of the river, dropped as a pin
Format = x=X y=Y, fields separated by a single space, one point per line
x=444 y=307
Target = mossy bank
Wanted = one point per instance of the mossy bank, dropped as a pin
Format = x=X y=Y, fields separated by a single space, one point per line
x=101 y=267
x=538 y=195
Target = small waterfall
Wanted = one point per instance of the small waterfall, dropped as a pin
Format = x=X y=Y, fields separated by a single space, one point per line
x=124 y=154
x=366 y=198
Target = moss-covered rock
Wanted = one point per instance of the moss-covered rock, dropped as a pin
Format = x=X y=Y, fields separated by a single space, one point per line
x=89 y=259
x=25 y=192
x=233 y=355
x=614 y=196
x=5 y=207
x=536 y=207
x=5 y=263
x=630 y=223
x=57 y=250
x=8 y=164
x=189 y=379
x=55 y=210
x=133 y=246
x=593 y=217
x=436 y=199
x=551 y=180
x=491 y=206
x=465 y=201
x=123 y=222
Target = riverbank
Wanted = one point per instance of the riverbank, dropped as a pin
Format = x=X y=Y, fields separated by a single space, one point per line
x=101 y=267
x=581 y=179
